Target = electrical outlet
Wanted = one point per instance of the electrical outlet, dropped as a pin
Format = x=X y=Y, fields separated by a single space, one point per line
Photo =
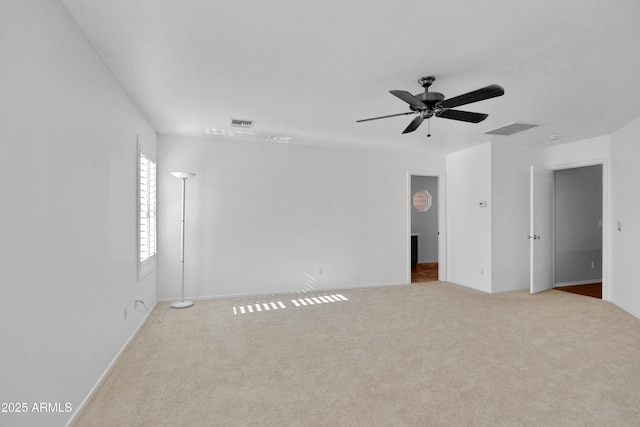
x=125 y=313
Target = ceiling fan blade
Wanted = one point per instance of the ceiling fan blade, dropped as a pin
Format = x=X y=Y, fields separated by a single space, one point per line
x=463 y=116
x=414 y=124
x=408 y=98
x=384 y=117
x=487 y=92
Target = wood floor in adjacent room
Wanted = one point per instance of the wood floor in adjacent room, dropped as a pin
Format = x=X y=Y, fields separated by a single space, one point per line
x=590 y=290
x=425 y=272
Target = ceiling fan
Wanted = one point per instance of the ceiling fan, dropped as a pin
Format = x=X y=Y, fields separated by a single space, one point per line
x=429 y=104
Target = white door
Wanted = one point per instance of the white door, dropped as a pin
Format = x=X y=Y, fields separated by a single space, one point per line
x=540 y=230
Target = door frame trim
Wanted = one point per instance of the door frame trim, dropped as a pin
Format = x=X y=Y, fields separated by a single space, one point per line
x=442 y=221
x=606 y=211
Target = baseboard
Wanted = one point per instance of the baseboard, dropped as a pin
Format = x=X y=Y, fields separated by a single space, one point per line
x=634 y=313
x=284 y=292
x=109 y=368
x=501 y=291
x=580 y=282
x=475 y=288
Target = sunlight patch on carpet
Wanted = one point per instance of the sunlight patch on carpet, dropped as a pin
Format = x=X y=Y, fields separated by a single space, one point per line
x=258 y=307
x=279 y=305
x=307 y=301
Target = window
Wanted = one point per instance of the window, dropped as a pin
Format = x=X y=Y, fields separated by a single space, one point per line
x=146 y=213
x=422 y=200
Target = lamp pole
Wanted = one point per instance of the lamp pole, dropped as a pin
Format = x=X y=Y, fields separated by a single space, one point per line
x=183 y=176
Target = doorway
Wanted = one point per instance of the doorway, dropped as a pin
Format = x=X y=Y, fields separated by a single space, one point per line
x=578 y=232
x=424 y=206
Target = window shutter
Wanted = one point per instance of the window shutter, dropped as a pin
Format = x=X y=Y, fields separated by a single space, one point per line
x=146 y=213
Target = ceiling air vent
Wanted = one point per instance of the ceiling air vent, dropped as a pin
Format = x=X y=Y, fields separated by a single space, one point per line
x=510 y=129
x=238 y=123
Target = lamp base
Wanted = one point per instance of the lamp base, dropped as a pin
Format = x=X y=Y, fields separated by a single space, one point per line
x=182 y=304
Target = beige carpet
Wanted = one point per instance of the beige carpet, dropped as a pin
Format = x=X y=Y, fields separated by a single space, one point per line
x=432 y=354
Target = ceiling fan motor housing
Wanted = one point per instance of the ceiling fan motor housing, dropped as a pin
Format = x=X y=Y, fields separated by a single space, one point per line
x=430 y=99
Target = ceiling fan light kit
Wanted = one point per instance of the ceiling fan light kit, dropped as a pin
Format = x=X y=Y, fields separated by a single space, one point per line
x=430 y=104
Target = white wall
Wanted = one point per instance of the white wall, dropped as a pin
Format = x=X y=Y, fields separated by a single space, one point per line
x=625 y=177
x=468 y=225
x=580 y=153
x=510 y=220
x=268 y=217
x=68 y=212
x=488 y=247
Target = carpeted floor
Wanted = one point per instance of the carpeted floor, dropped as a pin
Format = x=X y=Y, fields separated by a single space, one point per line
x=432 y=354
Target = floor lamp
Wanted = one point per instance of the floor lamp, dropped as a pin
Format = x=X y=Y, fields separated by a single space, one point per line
x=183 y=176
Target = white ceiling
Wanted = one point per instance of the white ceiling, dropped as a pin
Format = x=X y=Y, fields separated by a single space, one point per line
x=309 y=70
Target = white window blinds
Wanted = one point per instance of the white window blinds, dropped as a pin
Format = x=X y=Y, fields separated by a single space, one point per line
x=146 y=213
